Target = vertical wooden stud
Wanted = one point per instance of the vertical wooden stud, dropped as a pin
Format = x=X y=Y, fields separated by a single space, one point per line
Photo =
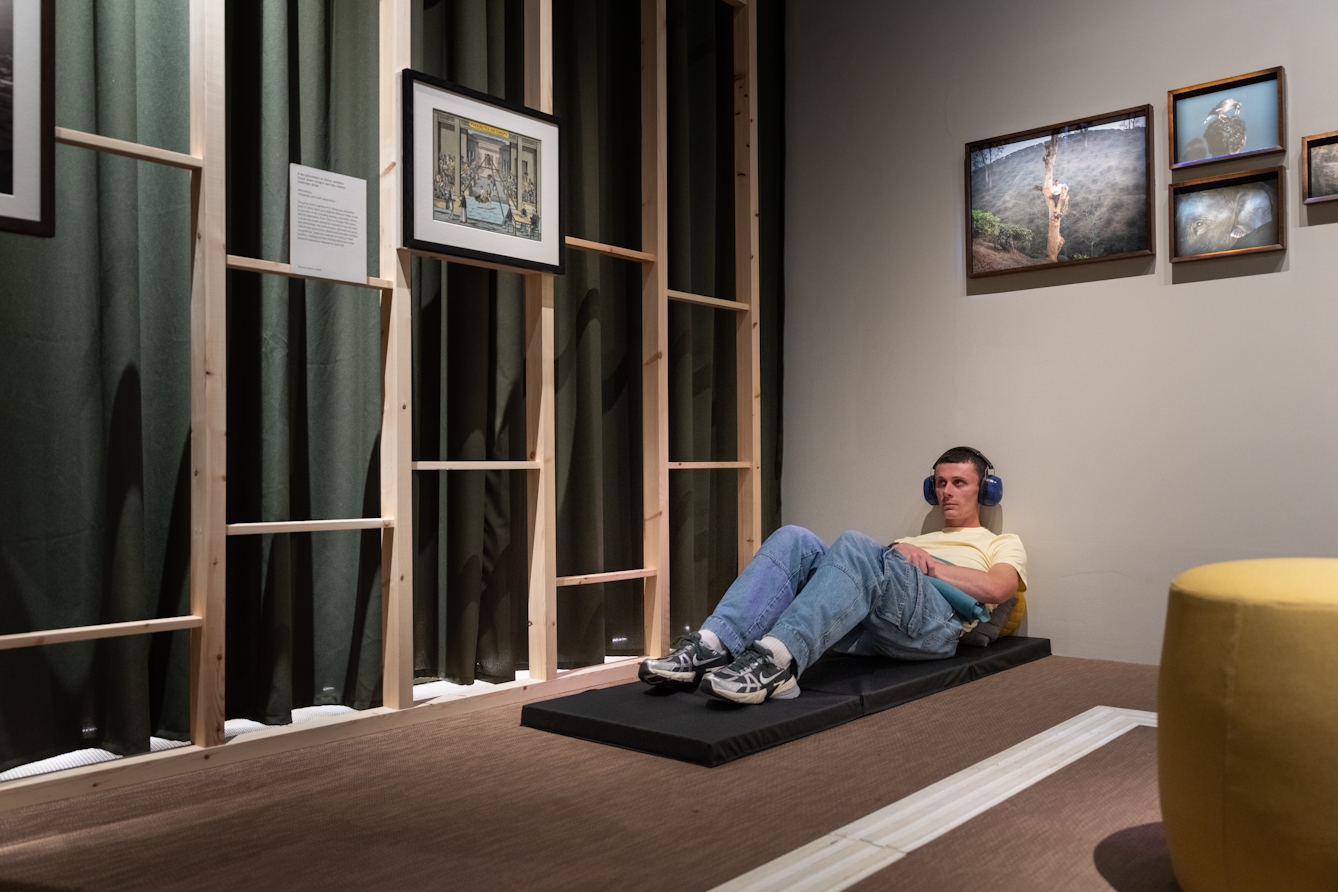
x=746 y=240
x=655 y=322
x=397 y=375
x=208 y=571
x=539 y=384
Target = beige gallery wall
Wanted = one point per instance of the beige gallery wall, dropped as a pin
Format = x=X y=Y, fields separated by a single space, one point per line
x=1145 y=417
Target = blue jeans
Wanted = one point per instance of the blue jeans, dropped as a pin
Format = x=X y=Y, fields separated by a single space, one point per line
x=857 y=597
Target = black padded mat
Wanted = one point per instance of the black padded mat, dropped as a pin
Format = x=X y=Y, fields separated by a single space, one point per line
x=838 y=688
x=687 y=725
x=881 y=683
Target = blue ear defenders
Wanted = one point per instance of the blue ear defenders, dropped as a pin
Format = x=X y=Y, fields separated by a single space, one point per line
x=990 y=492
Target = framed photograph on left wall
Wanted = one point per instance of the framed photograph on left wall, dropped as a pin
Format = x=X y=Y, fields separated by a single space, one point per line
x=1076 y=192
x=28 y=117
x=482 y=178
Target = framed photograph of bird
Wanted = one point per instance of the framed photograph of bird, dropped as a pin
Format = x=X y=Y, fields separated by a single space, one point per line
x=1070 y=193
x=482 y=178
x=1230 y=118
x=1319 y=168
x=1221 y=216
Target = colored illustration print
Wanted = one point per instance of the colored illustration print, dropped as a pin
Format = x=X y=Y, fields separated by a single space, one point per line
x=485 y=177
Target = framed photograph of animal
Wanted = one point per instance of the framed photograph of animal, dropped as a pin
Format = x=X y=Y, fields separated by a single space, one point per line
x=28 y=117
x=1230 y=118
x=1076 y=192
x=1227 y=215
x=1319 y=168
x=482 y=178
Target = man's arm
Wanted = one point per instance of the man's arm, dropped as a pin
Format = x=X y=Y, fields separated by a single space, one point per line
x=993 y=587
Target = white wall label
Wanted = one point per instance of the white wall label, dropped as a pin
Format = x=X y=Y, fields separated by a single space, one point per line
x=327 y=226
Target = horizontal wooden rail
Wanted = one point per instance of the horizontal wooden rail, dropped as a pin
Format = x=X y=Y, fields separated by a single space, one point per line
x=705 y=465
x=274 y=268
x=309 y=526
x=685 y=297
x=127 y=149
x=475 y=465
x=581 y=244
x=105 y=630
x=611 y=576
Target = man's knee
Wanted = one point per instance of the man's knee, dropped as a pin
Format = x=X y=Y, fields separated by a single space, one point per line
x=852 y=544
x=791 y=536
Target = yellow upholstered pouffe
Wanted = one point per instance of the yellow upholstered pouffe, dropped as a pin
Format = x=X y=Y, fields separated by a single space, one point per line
x=1247 y=740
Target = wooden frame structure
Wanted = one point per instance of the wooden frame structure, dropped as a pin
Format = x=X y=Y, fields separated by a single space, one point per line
x=209 y=527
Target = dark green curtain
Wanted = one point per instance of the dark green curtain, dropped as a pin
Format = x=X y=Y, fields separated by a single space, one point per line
x=94 y=369
x=304 y=359
x=95 y=399
x=470 y=570
x=703 y=505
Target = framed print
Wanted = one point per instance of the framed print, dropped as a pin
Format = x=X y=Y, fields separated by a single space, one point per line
x=1319 y=168
x=1077 y=192
x=482 y=178
x=1226 y=215
x=28 y=117
x=1231 y=118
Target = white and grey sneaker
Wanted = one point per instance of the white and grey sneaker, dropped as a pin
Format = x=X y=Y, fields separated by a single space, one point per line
x=752 y=678
x=683 y=666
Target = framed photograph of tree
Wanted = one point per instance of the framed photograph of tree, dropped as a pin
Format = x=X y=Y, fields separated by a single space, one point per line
x=1230 y=118
x=1227 y=215
x=1076 y=192
x=482 y=178
x=1319 y=168
x=28 y=117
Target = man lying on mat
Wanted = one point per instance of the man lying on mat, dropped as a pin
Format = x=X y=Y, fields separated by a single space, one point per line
x=797 y=598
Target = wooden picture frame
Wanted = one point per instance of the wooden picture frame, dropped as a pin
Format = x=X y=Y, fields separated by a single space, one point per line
x=1251 y=118
x=482 y=178
x=1319 y=150
x=1230 y=211
x=28 y=119
x=1119 y=217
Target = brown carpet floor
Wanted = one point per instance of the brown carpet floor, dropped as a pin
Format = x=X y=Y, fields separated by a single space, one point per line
x=481 y=803
x=1095 y=824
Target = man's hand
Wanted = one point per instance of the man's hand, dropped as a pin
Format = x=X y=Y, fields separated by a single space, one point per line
x=919 y=558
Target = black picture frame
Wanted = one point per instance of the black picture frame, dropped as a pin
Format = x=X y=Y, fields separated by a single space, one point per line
x=1217 y=238
x=502 y=235
x=1183 y=107
x=1319 y=151
x=1136 y=240
x=28 y=121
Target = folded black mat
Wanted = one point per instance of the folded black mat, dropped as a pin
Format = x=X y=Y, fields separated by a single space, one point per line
x=687 y=725
x=836 y=689
x=881 y=684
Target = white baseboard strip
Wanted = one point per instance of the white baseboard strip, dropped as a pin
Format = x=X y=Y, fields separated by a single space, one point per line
x=843 y=857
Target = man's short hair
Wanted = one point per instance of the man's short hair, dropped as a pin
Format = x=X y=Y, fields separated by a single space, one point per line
x=958 y=454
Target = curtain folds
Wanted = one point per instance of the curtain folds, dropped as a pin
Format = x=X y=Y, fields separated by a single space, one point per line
x=95 y=400
x=95 y=353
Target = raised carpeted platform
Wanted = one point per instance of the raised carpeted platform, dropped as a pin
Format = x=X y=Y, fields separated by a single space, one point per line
x=836 y=689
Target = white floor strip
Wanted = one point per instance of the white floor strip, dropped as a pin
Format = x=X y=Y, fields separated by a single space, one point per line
x=845 y=856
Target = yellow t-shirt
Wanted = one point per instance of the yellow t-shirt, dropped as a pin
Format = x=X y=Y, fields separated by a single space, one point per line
x=979 y=549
